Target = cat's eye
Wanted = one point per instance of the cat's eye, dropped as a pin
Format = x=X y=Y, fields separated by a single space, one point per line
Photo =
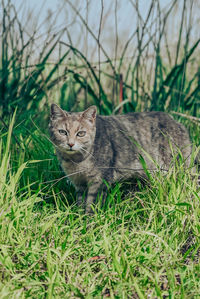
x=81 y=133
x=62 y=132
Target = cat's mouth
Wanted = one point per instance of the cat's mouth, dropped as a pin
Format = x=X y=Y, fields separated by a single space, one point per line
x=71 y=151
x=68 y=150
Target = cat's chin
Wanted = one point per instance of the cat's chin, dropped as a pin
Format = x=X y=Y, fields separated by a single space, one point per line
x=68 y=151
x=71 y=152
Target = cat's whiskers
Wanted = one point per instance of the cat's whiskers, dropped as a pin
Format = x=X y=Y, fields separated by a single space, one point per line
x=88 y=153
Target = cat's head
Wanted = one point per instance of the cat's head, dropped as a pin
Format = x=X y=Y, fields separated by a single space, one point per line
x=73 y=132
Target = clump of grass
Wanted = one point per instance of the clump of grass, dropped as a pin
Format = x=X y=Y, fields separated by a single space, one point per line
x=26 y=80
x=156 y=77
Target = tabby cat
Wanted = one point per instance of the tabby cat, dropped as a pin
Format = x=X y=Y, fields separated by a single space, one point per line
x=92 y=148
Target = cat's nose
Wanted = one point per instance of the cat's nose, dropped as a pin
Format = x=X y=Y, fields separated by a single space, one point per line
x=71 y=144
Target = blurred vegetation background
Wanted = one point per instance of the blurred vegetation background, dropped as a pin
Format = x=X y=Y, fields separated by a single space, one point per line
x=153 y=64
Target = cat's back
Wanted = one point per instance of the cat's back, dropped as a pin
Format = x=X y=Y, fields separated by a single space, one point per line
x=135 y=118
x=140 y=122
x=121 y=139
x=147 y=128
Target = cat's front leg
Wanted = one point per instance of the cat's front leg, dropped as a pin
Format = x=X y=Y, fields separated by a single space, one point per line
x=93 y=190
x=80 y=195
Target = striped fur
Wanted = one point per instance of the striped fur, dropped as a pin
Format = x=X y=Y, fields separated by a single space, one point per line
x=112 y=146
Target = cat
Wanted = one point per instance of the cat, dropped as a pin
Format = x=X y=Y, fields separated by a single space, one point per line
x=92 y=148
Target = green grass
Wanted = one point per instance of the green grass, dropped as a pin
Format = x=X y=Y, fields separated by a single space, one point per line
x=141 y=244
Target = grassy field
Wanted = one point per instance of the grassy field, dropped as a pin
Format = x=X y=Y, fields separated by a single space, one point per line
x=143 y=244
x=140 y=245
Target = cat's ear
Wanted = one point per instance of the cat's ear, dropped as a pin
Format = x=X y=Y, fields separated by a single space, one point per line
x=57 y=112
x=90 y=113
